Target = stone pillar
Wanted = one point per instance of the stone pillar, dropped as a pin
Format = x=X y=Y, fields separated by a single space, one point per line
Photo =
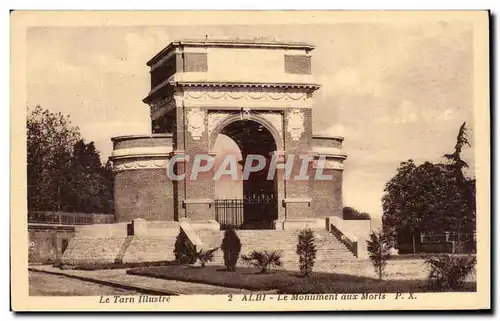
x=298 y=133
x=140 y=227
x=198 y=202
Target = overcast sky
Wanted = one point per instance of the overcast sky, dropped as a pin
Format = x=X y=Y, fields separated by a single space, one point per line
x=393 y=91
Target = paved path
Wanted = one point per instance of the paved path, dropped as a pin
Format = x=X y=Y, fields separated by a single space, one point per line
x=45 y=284
x=118 y=278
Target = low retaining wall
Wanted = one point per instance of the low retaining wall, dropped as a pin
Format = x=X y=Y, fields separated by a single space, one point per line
x=353 y=233
x=47 y=243
x=50 y=232
x=109 y=245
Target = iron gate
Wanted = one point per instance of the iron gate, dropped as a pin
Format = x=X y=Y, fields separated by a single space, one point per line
x=249 y=212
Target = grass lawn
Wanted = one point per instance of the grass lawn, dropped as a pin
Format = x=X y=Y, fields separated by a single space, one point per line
x=287 y=281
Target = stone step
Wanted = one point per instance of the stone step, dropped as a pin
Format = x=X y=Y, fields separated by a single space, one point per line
x=329 y=248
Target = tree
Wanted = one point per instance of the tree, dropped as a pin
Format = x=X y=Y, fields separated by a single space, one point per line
x=91 y=183
x=184 y=251
x=231 y=246
x=435 y=198
x=465 y=216
x=50 y=141
x=306 y=250
x=379 y=248
x=455 y=158
x=424 y=198
x=64 y=172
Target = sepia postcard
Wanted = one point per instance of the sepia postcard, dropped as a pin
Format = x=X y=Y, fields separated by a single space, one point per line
x=250 y=160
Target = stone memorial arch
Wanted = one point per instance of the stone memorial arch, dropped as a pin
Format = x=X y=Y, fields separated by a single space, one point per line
x=260 y=94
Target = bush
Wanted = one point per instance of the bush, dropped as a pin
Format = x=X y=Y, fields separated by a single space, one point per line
x=379 y=249
x=206 y=256
x=349 y=213
x=448 y=272
x=184 y=250
x=231 y=246
x=263 y=259
x=306 y=250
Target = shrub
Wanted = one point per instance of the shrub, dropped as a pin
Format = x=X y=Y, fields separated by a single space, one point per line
x=306 y=250
x=206 y=256
x=263 y=259
x=379 y=249
x=184 y=250
x=448 y=272
x=349 y=213
x=231 y=246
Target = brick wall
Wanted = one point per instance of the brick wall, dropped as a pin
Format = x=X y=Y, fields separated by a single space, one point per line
x=155 y=140
x=327 y=195
x=324 y=141
x=146 y=194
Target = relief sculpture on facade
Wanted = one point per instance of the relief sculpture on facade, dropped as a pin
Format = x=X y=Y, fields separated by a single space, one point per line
x=196 y=123
x=295 y=123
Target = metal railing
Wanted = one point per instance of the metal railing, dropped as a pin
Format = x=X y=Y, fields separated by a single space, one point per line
x=238 y=212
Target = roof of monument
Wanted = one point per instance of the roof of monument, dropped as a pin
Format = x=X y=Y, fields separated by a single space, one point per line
x=232 y=43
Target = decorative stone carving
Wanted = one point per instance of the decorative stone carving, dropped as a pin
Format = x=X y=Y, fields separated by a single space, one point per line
x=295 y=123
x=129 y=164
x=196 y=123
x=276 y=120
x=272 y=94
x=245 y=113
x=214 y=119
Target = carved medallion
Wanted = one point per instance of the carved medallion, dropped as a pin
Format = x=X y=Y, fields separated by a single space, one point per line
x=245 y=114
x=196 y=123
x=295 y=123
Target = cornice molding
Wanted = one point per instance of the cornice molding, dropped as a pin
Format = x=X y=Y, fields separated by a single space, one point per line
x=329 y=164
x=245 y=93
x=139 y=163
x=329 y=152
x=229 y=86
x=141 y=152
x=245 y=85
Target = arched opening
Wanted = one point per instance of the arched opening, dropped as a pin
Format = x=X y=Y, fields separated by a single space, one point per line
x=250 y=203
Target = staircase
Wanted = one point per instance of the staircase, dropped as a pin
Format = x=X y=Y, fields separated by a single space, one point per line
x=330 y=251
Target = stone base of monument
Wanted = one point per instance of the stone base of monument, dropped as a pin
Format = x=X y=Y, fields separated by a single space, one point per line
x=202 y=225
x=144 y=243
x=300 y=223
x=121 y=244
